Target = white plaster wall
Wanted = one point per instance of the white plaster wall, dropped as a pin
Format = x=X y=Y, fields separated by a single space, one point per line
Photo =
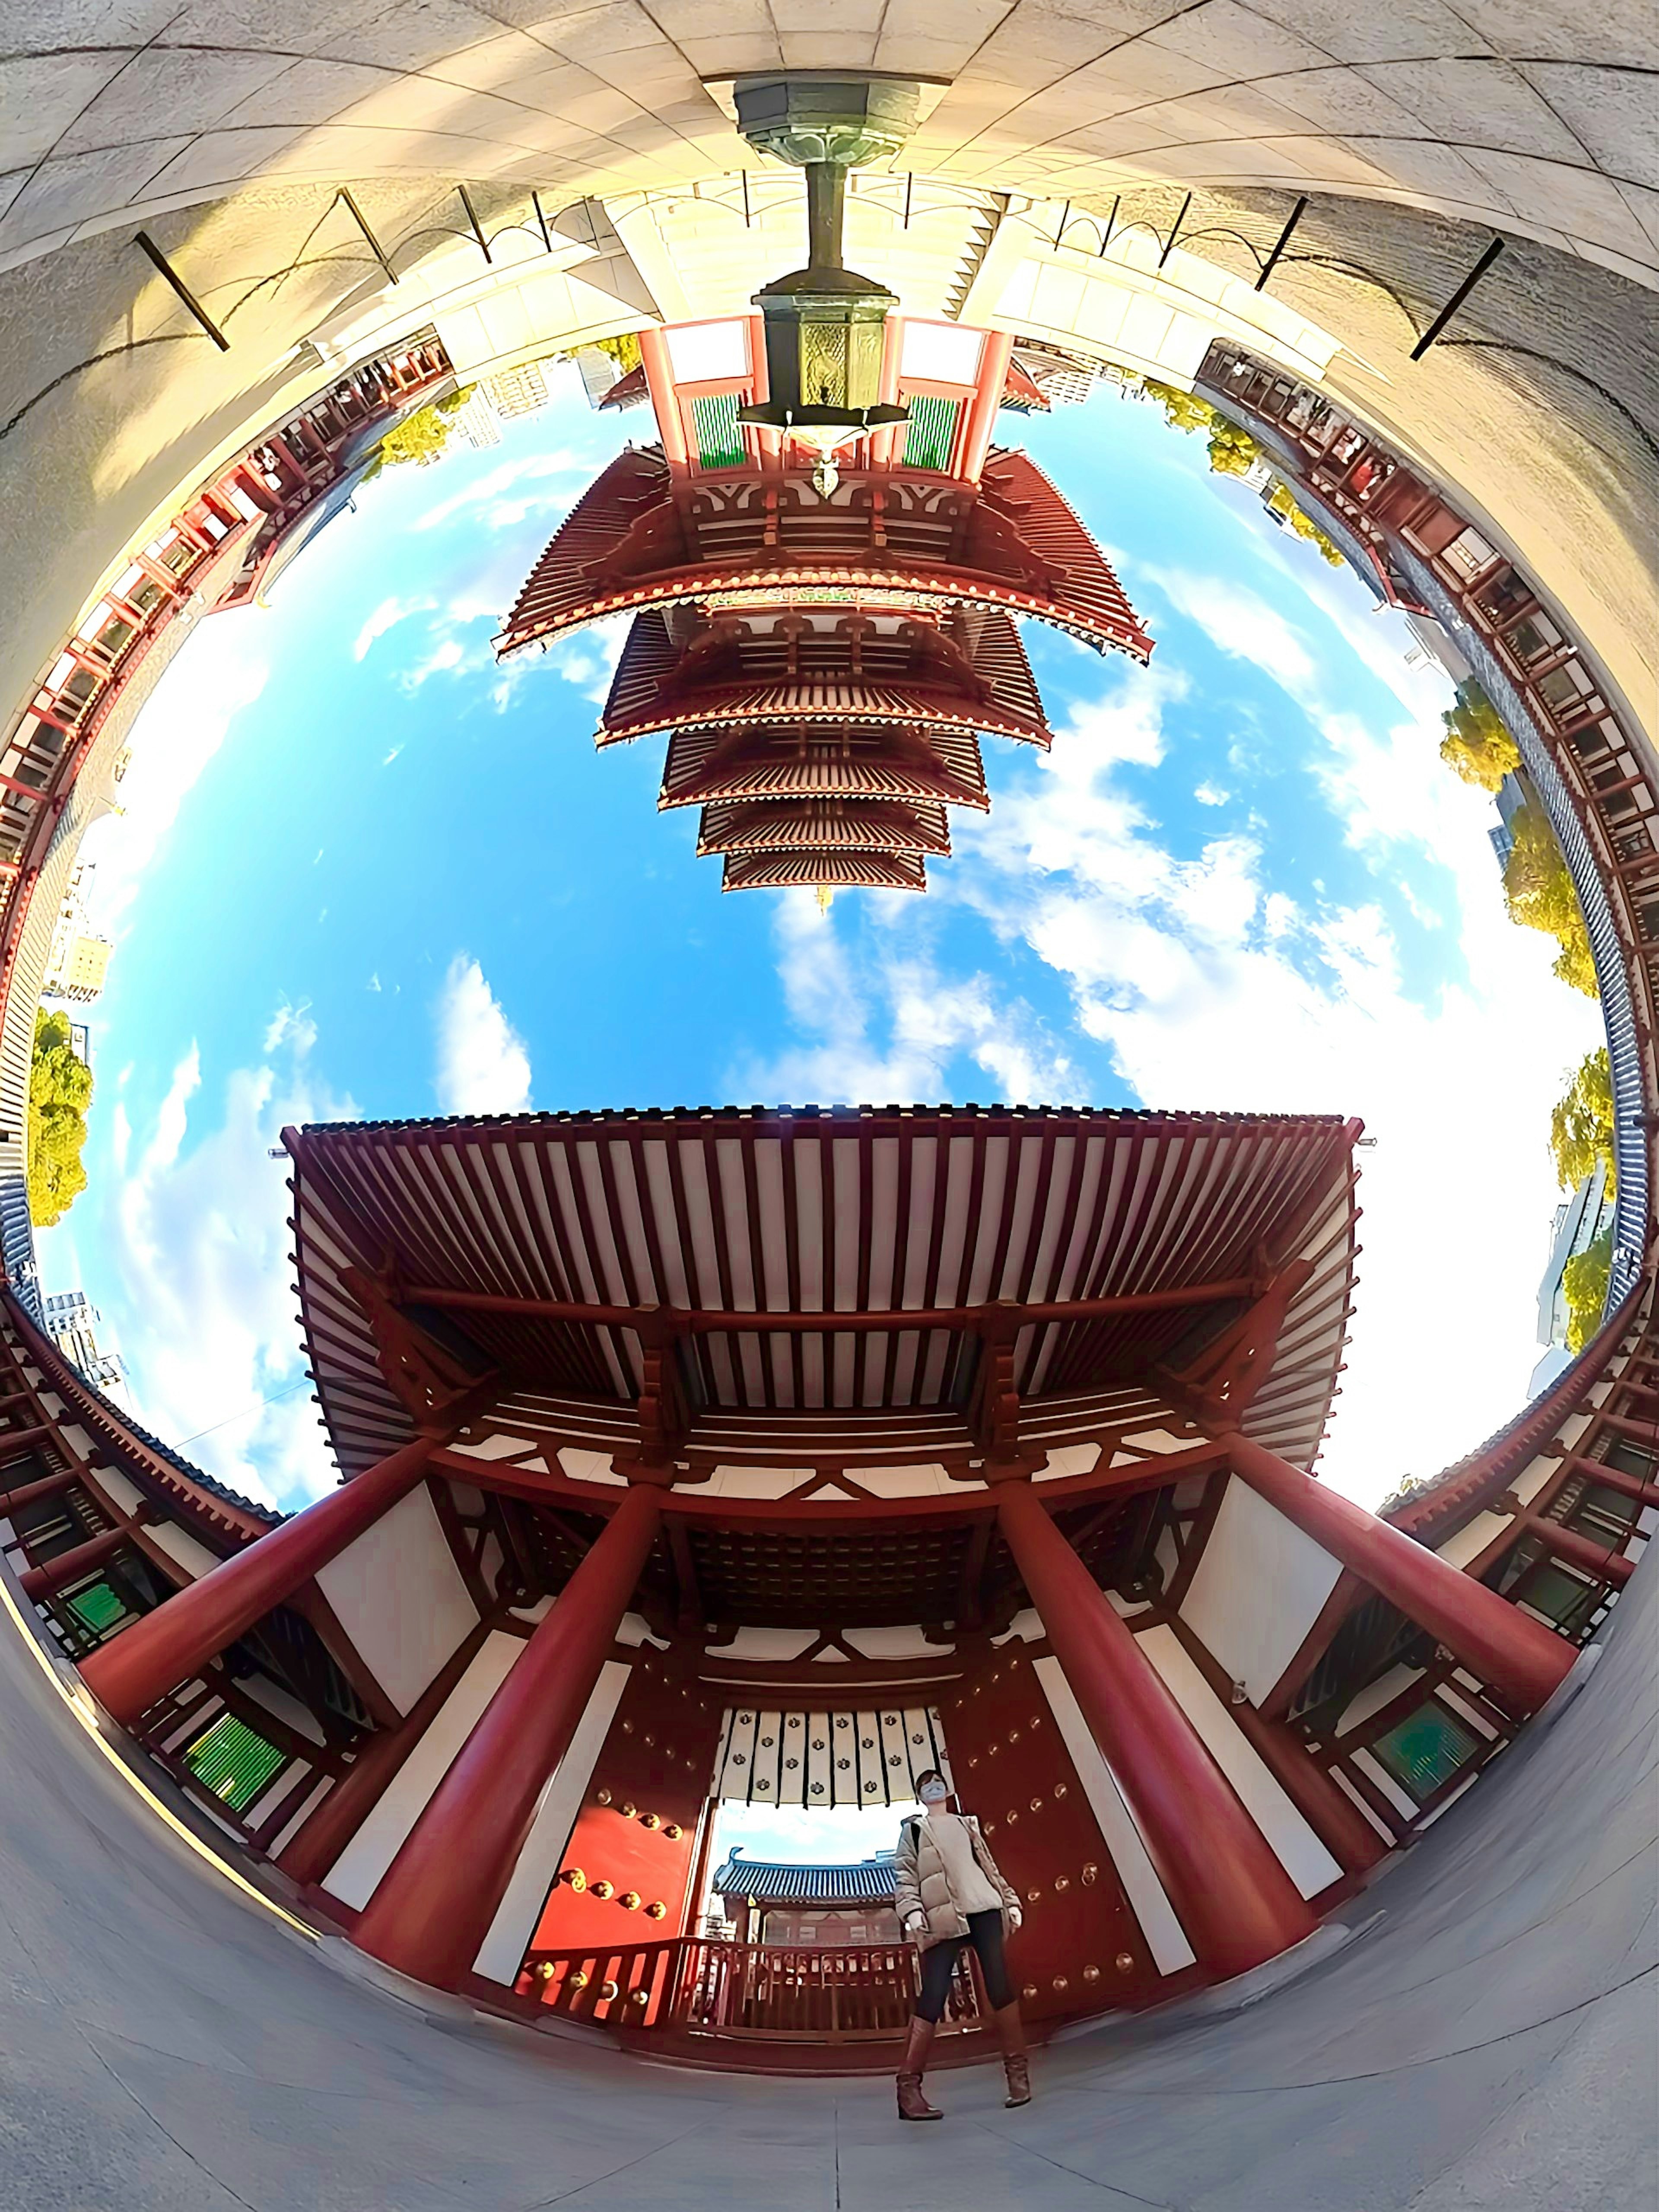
x=1469 y=1541
x=1257 y=1590
x=1165 y=1937
x=356 y=1873
x=194 y=1557
x=516 y=1916
x=1293 y=1843
x=400 y=1597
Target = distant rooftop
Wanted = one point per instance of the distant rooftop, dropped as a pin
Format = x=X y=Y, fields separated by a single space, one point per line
x=768 y=1882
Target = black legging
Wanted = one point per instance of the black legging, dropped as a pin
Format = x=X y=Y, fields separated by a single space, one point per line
x=984 y=1934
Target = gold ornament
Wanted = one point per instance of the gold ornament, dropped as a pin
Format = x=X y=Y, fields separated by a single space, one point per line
x=628 y=1810
x=604 y=1888
x=1062 y=1882
x=673 y=1831
x=651 y=1820
x=1060 y=1985
x=1089 y=1876
x=576 y=1878
x=545 y=1971
x=576 y=1981
x=639 y=1996
x=1028 y=1991
x=608 y=1990
x=1032 y=1895
x=1125 y=1962
x=629 y=1900
x=1037 y=1804
x=1091 y=1973
x=656 y=1911
x=604 y=1796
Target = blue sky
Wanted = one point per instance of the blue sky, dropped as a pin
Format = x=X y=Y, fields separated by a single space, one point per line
x=364 y=870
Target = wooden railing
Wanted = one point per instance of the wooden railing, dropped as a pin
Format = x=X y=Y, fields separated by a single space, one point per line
x=843 y=1993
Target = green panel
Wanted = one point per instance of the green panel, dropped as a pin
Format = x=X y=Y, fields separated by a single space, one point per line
x=931 y=432
x=233 y=1762
x=720 y=433
x=1426 y=1749
x=98 y=1606
x=1563 y=1598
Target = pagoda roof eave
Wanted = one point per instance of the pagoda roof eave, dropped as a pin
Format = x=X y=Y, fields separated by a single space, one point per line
x=924 y=586
x=919 y=707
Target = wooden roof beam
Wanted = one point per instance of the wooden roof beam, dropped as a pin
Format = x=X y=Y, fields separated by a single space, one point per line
x=700 y=1321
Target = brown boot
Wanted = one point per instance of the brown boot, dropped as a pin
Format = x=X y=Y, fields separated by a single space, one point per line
x=1010 y=2034
x=912 y=2104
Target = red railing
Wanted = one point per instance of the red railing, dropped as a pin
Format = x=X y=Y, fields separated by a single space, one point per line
x=843 y=1993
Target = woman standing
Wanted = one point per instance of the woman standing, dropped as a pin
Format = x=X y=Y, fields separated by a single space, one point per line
x=948 y=1893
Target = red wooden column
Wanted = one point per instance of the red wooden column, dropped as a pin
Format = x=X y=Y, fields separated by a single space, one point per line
x=188 y=1629
x=438 y=1897
x=1228 y=1888
x=311 y=1853
x=1615 y=1478
x=40 y=1581
x=1580 y=1550
x=1517 y=1655
x=48 y=1486
x=997 y=351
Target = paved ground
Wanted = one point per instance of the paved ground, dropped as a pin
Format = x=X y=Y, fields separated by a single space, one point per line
x=166 y=2045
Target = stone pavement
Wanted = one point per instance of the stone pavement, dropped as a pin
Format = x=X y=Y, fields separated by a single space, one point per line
x=1486 y=2045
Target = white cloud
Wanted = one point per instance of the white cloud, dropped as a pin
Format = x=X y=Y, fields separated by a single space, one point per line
x=1212 y=794
x=538 y=484
x=482 y=1067
x=193 y=1263
x=385 y=617
x=896 y=1034
x=1213 y=992
x=216 y=675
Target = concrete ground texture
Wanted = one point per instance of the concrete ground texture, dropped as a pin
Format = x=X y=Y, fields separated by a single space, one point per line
x=1484 y=2043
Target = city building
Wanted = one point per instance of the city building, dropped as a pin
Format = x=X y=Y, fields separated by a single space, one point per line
x=515 y=391
x=477 y=423
x=78 y=958
x=73 y=1323
x=1580 y=1220
x=1508 y=799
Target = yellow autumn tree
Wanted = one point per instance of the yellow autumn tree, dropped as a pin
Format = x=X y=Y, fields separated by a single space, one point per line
x=60 y=1090
x=1539 y=893
x=1584 y=1286
x=1476 y=745
x=1581 y=1123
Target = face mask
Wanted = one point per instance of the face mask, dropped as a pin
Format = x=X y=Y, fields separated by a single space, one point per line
x=933 y=1792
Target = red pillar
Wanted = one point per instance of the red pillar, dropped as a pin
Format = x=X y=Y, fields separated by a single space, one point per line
x=1596 y=1558
x=313 y=1851
x=28 y=1493
x=1515 y=1655
x=998 y=351
x=51 y=1574
x=1332 y=1814
x=437 y=1898
x=193 y=1626
x=1615 y=1478
x=1228 y=1888
x=13 y=1441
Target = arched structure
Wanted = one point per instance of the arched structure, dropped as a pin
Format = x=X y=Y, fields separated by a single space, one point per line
x=424 y=1708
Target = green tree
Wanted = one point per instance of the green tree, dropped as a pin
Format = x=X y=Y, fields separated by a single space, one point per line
x=1183 y=411
x=1476 y=745
x=1584 y=1286
x=60 y=1090
x=1304 y=526
x=1233 y=452
x=421 y=437
x=1581 y=1123
x=1539 y=893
